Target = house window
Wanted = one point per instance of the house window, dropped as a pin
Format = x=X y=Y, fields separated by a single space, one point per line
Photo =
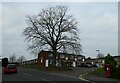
x=71 y=57
x=103 y=61
x=75 y=59
x=92 y=63
x=50 y=61
x=83 y=59
x=56 y=57
x=41 y=60
x=62 y=56
x=50 y=55
x=36 y=61
x=79 y=58
x=66 y=58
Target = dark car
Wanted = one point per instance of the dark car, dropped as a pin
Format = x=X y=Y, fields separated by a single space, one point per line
x=89 y=65
x=10 y=68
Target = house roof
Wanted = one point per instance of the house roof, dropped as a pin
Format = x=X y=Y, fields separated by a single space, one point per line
x=62 y=53
x=116 y=56
x=102 y=58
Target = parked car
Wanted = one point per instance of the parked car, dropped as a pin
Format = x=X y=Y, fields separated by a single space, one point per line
x=94 y=65
x=10 y=68
x=86 y=65
x=89 y=65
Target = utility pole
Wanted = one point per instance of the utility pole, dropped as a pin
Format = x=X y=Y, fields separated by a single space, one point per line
x=97 y=51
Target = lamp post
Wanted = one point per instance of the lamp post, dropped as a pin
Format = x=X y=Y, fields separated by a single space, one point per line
x=97 y=51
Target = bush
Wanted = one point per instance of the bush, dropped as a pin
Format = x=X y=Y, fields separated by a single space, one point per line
x=65 y=64
x=4 y=62
x=110 y=60
x=114 y=70
x=99 y=71
x=116 y=73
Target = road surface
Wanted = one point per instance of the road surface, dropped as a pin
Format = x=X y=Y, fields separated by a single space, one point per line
x=27 y=74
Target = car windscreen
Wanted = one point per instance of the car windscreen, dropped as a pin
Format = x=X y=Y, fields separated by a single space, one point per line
x=11 y=66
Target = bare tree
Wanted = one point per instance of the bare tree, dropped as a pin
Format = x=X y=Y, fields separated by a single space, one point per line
x=21 y=59
x=12 y=58
x=53 y=29
x=100 y=55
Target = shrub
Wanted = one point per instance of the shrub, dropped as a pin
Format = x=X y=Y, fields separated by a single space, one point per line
x=114 y=70
x=65 y=64
x=110 y=60
x=116 y=74
x=4 y=62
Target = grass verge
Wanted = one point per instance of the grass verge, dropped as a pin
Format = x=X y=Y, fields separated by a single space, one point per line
x=99 y=72
x=35 y=66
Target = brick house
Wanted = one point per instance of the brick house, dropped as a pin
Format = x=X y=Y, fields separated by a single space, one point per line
x=45 y=59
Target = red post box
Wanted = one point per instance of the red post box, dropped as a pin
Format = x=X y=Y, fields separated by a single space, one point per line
x=108 y=71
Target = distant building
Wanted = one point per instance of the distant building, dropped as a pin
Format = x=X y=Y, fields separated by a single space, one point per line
x=117 y=58
x=45 y=59
x=33 y=61
x=100 y=61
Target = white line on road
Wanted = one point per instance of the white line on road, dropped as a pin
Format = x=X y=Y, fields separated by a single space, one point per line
x=37 y=77
x=44 y=79
x=81 y=77
x=63 y=75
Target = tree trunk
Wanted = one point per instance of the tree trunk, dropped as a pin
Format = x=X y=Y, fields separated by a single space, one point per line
x=54 y=57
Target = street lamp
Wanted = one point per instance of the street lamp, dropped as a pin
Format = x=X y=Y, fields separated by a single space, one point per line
x=97 y=51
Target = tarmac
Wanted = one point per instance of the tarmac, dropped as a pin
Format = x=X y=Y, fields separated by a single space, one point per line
x=82 y=73
x=99 y=79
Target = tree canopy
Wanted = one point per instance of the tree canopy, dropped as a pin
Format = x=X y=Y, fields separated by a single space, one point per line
x=53 y=29
x=12 y=58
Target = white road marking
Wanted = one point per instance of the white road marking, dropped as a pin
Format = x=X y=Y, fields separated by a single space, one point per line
x=62 y=75
x=43 y=79
x=81 y=77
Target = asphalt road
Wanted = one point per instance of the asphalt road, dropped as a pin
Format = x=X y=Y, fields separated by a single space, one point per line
x=26 y=74
x=0 y=74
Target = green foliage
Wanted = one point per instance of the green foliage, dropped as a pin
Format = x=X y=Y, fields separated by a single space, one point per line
x=110 y=60
x=4 y=62
x=115 y=70
x=99 y=71
x=65 y=64
x=116 y=74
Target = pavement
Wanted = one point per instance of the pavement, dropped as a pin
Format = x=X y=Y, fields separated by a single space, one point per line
x=82 y=73
x=99 y=79
x=76 y=72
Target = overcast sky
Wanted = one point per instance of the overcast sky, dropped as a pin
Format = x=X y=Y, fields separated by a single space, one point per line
x=98 y=24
